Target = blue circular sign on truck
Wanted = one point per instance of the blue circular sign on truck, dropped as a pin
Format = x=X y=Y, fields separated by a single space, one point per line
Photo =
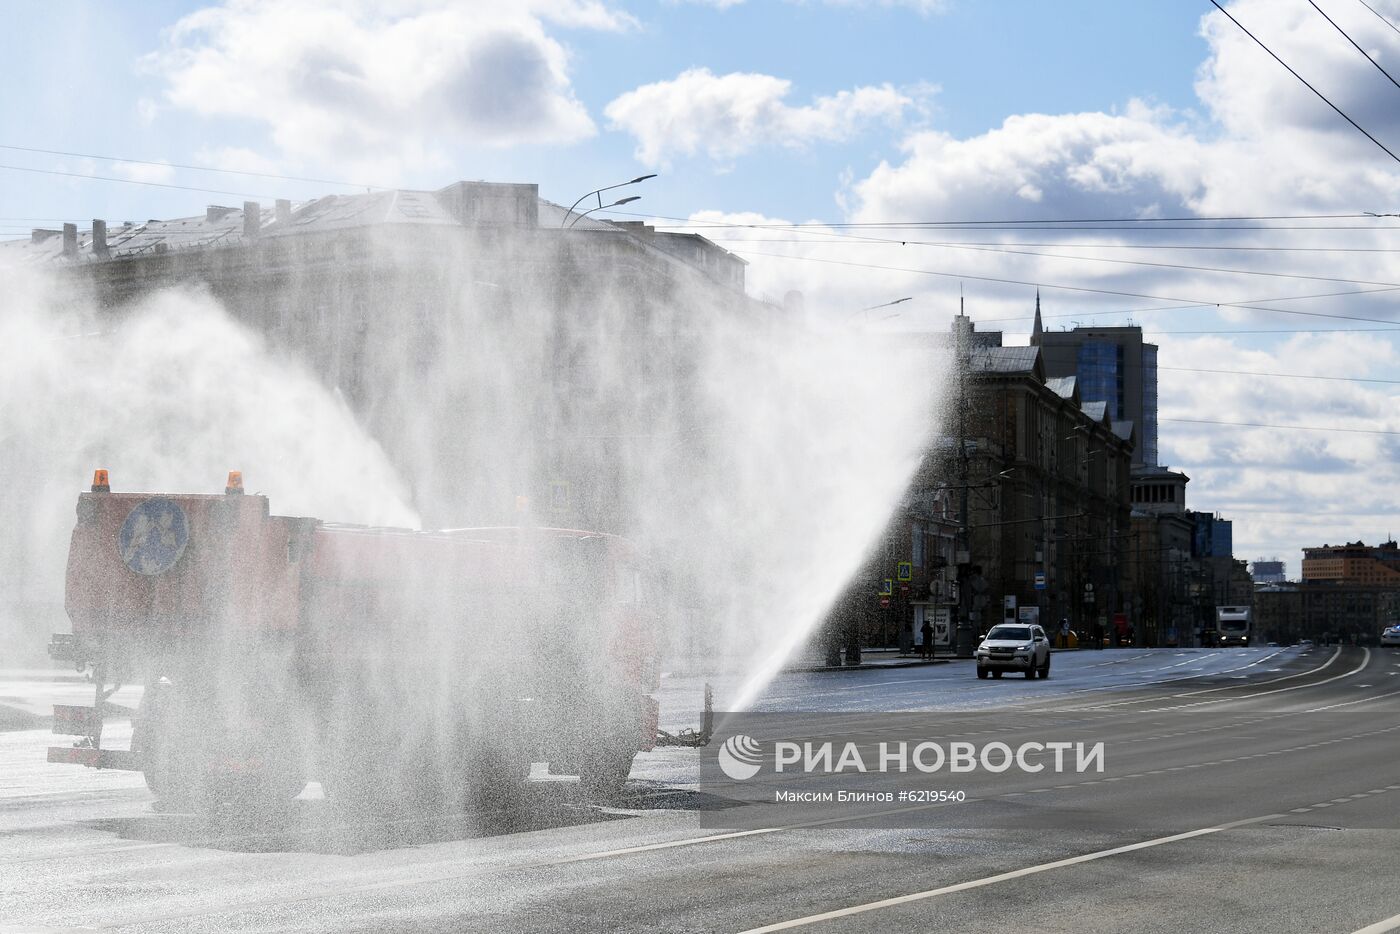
x=153 y=536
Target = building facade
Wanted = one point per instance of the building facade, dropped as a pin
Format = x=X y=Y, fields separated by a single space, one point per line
x=1045 y=476
x=515 y=363
x=1354 y=563
x=1112 y=365
x=1167 y=599
x=395 y=299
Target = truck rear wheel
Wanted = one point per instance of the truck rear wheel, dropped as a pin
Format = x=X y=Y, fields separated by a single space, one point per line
x=605 y=776
x=496 y=780
x=189 y=766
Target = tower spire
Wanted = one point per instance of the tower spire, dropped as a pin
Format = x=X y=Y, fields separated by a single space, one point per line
x=1038 y=330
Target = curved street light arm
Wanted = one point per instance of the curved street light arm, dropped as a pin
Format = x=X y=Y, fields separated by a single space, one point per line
x=617 y=203
x=598 y=192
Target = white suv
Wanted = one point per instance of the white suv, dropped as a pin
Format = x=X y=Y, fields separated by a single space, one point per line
x=1014 y=647
x=1391 y=636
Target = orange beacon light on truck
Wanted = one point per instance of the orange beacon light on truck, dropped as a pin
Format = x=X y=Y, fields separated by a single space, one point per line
x=100 y=483
x=235 y=482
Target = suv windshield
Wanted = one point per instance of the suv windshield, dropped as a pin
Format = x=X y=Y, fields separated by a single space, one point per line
x=1010 y=632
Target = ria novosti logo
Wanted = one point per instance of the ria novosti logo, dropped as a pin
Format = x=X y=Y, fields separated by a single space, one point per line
x=740 y=757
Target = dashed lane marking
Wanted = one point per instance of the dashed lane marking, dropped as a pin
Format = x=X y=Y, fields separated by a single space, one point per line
x=1381 y=927
x=1003 y=877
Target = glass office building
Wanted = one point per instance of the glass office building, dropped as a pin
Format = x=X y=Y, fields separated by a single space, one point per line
x=1110 y=365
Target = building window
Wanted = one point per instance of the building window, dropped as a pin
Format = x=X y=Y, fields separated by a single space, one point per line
x=1148 y=429
x=916 y=545
x=1099 y=373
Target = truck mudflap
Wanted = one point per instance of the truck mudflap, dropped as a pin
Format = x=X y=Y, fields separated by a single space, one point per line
x=86 y=721
x=76 y=720
x=95 y=758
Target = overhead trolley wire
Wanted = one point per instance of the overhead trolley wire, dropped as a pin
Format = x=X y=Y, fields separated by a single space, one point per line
x=1204 y=421
x=1099 y=291
x=1309 y=86
x=132 y=181
x=1368 y=6
x=1190 y=267
x=1379 y=66
x=193 y=168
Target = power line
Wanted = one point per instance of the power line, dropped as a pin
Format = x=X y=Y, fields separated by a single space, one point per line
x=1344 y=379
x=1290 y=331
x=1095 y=245
x=1358 y=431
x=1088 y=289
x=131 y=181
x=1354 y=45
x=194 y=168
x=1295 y=74
x=690 y=221
x=1380 y=17
x=874 y=241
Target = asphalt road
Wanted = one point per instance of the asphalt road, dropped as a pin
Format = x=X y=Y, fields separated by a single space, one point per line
x=1243 y=790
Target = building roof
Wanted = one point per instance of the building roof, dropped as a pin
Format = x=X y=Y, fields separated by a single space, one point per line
x=1097 y=411
x=456 y=205
x=1158 y=472
x=1004 y=359
x=1062 y=386
x=1123 y=428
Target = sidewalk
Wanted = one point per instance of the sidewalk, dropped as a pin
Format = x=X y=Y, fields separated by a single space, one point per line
x=869 y=658
x=41 y=675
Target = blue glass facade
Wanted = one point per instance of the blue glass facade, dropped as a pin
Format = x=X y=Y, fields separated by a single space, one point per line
x=1214 y=537
x=1100 y=374
x=1114 y=366
x=1147 y=431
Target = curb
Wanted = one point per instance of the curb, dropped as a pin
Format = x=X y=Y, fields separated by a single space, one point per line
x=42 y=676
x=864 y=666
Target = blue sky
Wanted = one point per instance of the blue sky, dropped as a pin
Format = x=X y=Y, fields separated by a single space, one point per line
x=827 y=111
x=84 y=85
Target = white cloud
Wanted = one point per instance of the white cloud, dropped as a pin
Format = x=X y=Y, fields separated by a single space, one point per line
x=1262 y=145
x=922 y=7
x=1134 y=164
x=144 y=172
x=1285 y=489
x=237 y=159
x=361 y=83
x=724 y=116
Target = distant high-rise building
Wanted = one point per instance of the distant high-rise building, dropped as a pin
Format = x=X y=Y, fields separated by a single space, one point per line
x=1214 y=536
x=1353 y=563
x=1111 y=365
x=1268 y=571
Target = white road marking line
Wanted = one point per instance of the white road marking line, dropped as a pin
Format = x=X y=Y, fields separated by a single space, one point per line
x=669 y=844
x=1365 y=660
x=1350 y=703
x=1039 y=699
x=1380 y=927
x=1002 y=877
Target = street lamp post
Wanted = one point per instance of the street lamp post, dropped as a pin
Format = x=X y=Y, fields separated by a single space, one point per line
x=598 y=193
x=618 y=203
x=864 y=311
